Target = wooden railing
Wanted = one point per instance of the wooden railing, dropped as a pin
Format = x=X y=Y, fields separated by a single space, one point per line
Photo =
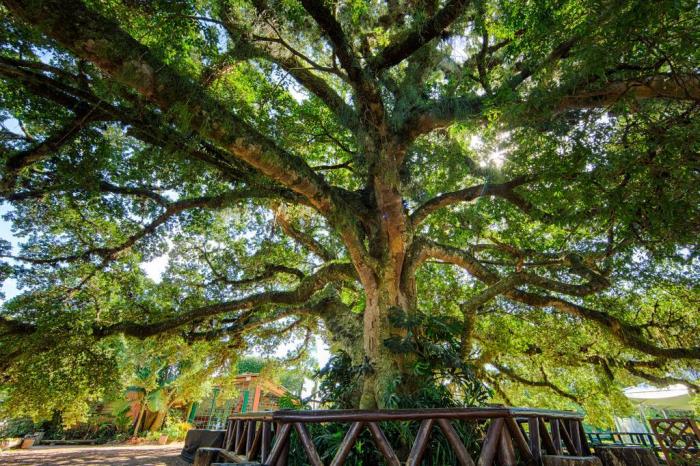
x=511 y=435
x=626 y=439
x=679 y=439
x=644 y=439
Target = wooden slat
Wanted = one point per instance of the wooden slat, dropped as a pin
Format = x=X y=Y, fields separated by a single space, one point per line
x=455 y=442
x=266 y=439
x=383 y=444
x=566 y=437
x=281 y=440
x=241 y=440
x=237 y=435
x=506 y=453
x=519 y=439
x=308 y=444
x=250 y=437
x=420 y=443
x=231 y=457
x=576 y=436
x=556 y=435
x=284 y=457
x=490 y=446
x=533 y=424
x=228 y=438
x=546 y=438
x=254 y=449
x=347 y=444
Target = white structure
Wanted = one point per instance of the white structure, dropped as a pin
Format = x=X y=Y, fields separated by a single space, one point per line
x=671 y=397
x=675 y=397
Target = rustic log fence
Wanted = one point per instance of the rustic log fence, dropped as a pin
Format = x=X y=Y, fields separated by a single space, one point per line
x=512 y=435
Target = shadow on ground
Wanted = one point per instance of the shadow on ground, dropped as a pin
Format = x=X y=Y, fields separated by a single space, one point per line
x=123 y=455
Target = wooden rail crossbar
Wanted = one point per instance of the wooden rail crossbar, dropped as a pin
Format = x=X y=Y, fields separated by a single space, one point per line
x=512 y=435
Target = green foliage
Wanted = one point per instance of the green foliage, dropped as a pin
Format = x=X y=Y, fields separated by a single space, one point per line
x=444 y=382
x=67 y=378
x=17 y=428
x=248 y=153
x=445 y=378
x=288 y=375
x=340 y=382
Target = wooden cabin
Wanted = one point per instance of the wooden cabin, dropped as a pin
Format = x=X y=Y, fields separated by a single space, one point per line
x=254 y=394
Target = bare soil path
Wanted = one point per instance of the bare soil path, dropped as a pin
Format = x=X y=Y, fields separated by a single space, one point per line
x=112 y=455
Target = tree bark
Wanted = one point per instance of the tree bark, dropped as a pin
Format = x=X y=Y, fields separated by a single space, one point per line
x=390 y=371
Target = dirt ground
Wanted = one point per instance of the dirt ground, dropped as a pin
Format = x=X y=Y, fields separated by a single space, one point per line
x=131 y=455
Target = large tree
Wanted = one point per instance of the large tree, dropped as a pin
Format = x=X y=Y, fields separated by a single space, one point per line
x=528 y=170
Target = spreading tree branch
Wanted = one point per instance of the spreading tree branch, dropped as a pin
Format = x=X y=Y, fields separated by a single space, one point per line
x=369 y=97
x=502 y=190
x=283 y=55
x=676 y=87
x=269 y=271
x=511 y=374
x=627 y=334
x=332 y=29
x=143 y=124
x=109 y=253
x=22 y=159
x=302 y=238
x=407 y=44
x=101 y=41
x=328 y=273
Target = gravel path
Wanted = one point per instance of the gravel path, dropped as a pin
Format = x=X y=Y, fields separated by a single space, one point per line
x=123 y=455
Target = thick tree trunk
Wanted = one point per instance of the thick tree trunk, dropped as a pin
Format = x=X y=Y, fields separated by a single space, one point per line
x=388 y=287
x=390 y=371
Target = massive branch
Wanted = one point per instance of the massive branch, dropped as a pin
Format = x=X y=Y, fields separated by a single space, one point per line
x=145 y=125
x=502 y=190
x=309 y=285
x=628 y=334
x=437 y=114
x=279 y=52
x=99 y=40
x=329 y=273
x=108 y=253
x=671 y=87
x=407 y=44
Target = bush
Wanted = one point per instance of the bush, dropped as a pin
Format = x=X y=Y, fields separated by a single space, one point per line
x=13 y=428
x=177 y=431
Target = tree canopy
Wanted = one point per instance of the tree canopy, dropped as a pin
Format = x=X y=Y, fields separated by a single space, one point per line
x=523 y=174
